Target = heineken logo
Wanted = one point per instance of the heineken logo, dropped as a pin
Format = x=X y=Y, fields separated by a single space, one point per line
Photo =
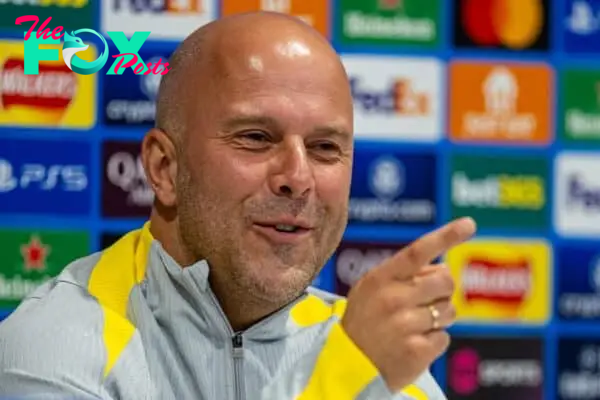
x=581 y=110
x=388 y=21
x=34 y=254
x=31 y=258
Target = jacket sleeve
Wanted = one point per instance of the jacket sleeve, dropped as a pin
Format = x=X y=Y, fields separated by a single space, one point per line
x=339 y=370
x=48 y=352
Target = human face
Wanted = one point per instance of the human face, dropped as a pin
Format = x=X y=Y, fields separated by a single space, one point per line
x=271 y=149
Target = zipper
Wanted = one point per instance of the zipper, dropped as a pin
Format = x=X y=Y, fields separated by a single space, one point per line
x=238 y=343
x=238 y=366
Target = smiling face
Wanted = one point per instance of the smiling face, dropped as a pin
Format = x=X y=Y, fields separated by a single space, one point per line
x=264 y=178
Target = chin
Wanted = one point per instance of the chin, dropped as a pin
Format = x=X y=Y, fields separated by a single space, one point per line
x=281 y=285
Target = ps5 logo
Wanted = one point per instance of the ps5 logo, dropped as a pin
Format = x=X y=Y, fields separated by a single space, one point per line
x=582 y=20
x=70 y=178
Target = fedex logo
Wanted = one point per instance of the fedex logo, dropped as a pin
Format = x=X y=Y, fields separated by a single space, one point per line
x=583 y=194
x=69 y=178
x=399 y=97
x=577 y=194
x=158 y=6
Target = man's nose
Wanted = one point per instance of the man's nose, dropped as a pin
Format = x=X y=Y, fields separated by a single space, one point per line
x=292 y=176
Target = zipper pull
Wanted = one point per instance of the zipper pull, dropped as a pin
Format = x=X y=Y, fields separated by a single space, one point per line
x=238 y=345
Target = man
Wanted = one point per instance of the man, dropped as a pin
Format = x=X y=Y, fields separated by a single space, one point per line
x=251 y=164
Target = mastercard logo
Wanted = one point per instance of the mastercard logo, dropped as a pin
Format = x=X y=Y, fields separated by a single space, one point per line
x=512 y=23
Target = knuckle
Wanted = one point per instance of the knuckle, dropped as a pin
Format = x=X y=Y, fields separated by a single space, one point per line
x=404 y=321
x=448 y=282
x=413 y=254
x=390 y=302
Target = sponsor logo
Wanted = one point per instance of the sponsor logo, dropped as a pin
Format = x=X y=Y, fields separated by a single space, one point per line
x=502 y=24
x=388 y=22
x=55 y=97
x=501 y=281
x=132 y=101
x=125 y=190
x=73 y=44
x=578 y=283
x=393 y=188
x=396 y=98
x=494 y=368
x=500 y=191
x=578 y=369
x=500 y=103
x=577 y=194
x=582 y=26
x=353 y=260
x=313 y=12
x=44 y=177
x=30 y=258
x=166 y=19
x=580 y=115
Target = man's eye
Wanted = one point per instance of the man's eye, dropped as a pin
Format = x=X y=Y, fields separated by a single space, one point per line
x=256 y=136
x=327 y=146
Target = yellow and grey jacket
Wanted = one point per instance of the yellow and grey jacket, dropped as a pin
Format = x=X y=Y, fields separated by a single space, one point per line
x=129 y=323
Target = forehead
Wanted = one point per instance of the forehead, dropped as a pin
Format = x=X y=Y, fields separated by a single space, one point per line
x=292 y=93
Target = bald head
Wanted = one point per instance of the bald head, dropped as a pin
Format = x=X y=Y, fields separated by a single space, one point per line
x=250 y=44
x=255 y=132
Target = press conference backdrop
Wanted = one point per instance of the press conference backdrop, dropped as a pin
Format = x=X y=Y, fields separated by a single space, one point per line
x=482 y=108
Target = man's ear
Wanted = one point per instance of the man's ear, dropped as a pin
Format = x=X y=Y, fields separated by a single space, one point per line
x=160 y=165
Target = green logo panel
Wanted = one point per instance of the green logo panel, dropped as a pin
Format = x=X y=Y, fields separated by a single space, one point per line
x=389 y=22
x=30 y=258
x=580 y=114
x=500 y=191
x=71 y=14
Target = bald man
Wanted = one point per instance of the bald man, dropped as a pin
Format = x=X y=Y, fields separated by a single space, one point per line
x=250 y=162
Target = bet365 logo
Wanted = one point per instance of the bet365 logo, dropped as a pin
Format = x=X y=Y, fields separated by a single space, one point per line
x=128 y=50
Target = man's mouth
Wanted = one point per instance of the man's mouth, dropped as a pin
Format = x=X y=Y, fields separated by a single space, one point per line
x=286 y=228
x=282 y=232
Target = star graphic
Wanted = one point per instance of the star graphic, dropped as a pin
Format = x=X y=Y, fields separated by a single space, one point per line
x=391 y=4
x=34 y=254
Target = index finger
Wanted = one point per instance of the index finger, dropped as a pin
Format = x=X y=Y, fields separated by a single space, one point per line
x=407 y=262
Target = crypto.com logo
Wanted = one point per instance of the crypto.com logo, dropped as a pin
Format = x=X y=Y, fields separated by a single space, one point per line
x=73 y=44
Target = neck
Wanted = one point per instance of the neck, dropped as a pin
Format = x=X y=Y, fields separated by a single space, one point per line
x=241 y=310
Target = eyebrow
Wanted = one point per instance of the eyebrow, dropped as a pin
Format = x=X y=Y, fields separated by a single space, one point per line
x=262 y=120
x=334 y=131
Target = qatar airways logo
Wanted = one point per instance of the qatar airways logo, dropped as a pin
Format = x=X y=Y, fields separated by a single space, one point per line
x=128 y=56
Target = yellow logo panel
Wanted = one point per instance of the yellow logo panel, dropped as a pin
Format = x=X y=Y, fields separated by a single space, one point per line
x=502 y=281
x=55 y=97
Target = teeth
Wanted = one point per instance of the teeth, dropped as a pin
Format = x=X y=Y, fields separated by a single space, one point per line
x=286 y=228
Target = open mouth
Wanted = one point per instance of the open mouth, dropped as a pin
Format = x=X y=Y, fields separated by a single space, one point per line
x=282 y=233
x=284 y=228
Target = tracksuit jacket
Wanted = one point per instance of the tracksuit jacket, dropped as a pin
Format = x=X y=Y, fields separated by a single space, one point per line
x=129 y=323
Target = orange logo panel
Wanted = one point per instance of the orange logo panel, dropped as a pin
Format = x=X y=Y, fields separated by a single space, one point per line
x=500 y=102
x=314 y=12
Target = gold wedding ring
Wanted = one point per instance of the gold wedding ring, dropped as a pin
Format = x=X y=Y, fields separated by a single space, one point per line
x=435 y=315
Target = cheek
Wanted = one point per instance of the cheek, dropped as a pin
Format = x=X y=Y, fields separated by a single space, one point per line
x=230 y=178
x=333 y=187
